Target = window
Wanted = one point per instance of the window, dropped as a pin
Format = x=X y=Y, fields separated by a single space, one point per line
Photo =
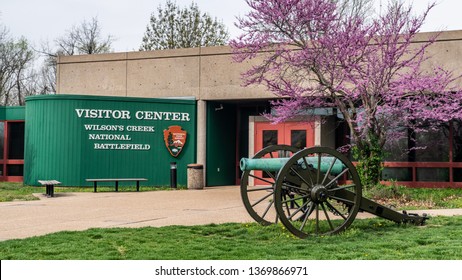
x=433 y=174
x=428 y=146
x=16 y=140
x=270 y=137
x=457 y=141
x=2 y=139
x=398 y=149
x=435 y=144
x=397 y=173
x=12 y=150
x=15 y=169
x=298 y=139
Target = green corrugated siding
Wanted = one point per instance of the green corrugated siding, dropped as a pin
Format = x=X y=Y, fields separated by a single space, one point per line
x=58 y=145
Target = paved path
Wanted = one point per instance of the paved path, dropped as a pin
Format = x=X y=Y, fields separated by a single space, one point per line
x=81 y=211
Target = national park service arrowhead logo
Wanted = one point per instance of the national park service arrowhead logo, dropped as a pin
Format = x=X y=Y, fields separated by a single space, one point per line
x=175 y=139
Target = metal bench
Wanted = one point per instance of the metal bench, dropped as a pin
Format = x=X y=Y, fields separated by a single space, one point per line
x=50 y=186
x=117 y=180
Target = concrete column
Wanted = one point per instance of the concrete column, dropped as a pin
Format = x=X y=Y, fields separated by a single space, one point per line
x=58 y=75
x=317 y=131
x=202 y=134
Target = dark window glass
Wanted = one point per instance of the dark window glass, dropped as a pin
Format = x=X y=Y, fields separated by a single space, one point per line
x=457 y=141
x=298 y=139
x=16 y=140
x=2 y=138
x=457 y=174
x=398 y=174
x=15 y=169
x=269 y=174
x=270 y=137
x=397 y=150
x=432 y=146
x=433 y=174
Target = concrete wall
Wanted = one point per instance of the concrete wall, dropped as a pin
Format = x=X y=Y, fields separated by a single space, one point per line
x=445 y=52
x=205 y=73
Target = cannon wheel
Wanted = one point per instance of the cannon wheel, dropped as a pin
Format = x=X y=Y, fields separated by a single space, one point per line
x=258 y=199
x=310 y=202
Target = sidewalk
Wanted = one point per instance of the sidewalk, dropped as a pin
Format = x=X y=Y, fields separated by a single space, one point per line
x=81 y=211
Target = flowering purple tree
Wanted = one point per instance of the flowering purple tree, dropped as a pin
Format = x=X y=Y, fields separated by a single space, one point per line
x=312 y=55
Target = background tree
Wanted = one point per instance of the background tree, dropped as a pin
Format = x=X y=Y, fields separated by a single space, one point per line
x=311 y=54
x=173 y=27
x=16 y=56
x=360 y=8
x=84 y=38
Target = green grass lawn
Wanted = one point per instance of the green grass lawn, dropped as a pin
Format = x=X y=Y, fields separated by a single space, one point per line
x=371 y=239
x=368 y=239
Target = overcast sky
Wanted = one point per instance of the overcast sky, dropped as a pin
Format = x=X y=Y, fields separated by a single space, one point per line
x=126 y=20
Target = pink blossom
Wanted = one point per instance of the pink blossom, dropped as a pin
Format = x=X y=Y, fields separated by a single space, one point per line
x=369 y=69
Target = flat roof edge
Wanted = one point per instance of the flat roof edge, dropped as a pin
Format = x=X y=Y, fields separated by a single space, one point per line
x=12 y=113
x=179 y=100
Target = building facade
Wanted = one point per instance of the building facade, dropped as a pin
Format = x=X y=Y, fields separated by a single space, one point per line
x=226 y=122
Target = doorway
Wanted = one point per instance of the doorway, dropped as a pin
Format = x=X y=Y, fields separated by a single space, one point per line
x=296 y=134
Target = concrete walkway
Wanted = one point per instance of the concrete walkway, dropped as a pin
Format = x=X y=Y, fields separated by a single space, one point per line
x=81 y=211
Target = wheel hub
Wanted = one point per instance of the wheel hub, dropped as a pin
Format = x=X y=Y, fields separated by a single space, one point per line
x=319 y=193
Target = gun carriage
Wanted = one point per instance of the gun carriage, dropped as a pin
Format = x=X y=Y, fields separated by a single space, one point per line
x=314 y=191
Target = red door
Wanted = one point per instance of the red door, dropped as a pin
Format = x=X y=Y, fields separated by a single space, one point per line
x=296 y=134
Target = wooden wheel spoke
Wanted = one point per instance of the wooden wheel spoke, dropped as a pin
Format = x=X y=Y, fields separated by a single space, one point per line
x=299 y=176
x=270 y=175
x=299 y=209
x=287 y=187
x=342 y=188
x=308 y=171
x=318 y=171
x=308 y=213
x=337 y=177
x=349 y=202
x=295 y=198
x=261 y=199
x=335 y=209
x=327 y=216
x=287 y=208
x=262 y=179
x=328 y=171
x=267 y=209
x=261 y=189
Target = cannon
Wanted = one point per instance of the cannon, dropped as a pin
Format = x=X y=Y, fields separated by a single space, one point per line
x=314 y=191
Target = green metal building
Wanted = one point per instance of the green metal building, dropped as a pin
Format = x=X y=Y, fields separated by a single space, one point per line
x=71 y=138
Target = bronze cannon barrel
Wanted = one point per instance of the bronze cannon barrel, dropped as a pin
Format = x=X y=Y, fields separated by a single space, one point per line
x=275 y=164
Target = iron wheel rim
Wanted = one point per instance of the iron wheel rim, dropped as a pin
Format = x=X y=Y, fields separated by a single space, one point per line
x=318 y=208
x=261 y=211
